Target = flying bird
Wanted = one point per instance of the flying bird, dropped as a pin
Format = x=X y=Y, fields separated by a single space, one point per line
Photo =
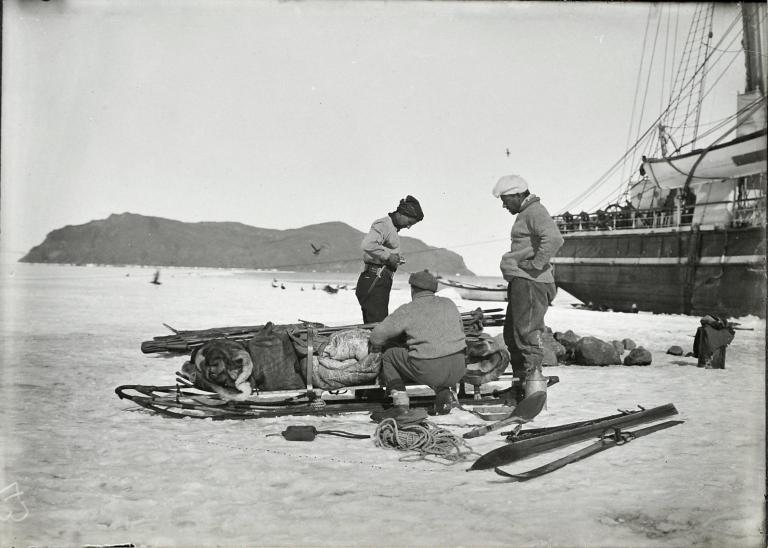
x=316 y=250
x=507 y=153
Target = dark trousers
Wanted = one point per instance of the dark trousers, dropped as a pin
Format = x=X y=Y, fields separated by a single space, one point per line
x=397 y=367
x=373 y=295
x=527 y=302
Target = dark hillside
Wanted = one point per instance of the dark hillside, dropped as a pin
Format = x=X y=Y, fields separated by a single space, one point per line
x=137 y=239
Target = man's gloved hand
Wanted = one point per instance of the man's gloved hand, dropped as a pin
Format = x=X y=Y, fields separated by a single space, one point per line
x=393 y=261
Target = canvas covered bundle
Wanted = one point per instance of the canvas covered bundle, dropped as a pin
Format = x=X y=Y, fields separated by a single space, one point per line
x=271 y=360
x=487 y=358
x=343 y=361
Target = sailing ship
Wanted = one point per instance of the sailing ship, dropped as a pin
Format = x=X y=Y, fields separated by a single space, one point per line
x=686 y=233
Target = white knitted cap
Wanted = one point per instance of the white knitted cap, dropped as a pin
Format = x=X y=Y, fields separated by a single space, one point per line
x=510 y=184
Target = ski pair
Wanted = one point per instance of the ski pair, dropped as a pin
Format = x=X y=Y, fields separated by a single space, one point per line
x=526 y=443
x=611 y=438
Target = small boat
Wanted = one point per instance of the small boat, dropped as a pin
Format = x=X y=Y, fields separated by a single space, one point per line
x=473 y=292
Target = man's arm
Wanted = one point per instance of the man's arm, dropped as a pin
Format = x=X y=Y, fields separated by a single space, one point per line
x=550 y=241
x=390 y=327
x=373 y=244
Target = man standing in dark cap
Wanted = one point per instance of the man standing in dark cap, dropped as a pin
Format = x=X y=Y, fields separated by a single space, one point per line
x=381 y=255
x=526 y=267
x=435 y=341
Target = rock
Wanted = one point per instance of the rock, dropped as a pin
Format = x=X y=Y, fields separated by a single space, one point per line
x=619 y=346
x=593 y=351
x=554 y=352
x=629 y=344
x=675 y=351
x=550 y=358
x=568 y=340
x=638 y=356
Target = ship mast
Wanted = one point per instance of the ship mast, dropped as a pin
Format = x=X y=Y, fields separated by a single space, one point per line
x=753 y=48
x=756 y=65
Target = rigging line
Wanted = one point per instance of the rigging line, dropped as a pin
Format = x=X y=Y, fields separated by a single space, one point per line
x=702 y=68
x=674 y=55
x=664 y=66
x=647 y=87
x=699 y=24
x=691 y=82
x=674 y=103
x=637 y=81
x=753 y=106
x=703 y=76
x=747 y=110
x=682 y=69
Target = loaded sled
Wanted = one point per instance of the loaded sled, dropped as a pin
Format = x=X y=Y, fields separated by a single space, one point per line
x=246 y=372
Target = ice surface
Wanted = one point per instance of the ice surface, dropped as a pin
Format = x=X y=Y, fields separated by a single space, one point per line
x=92 y=469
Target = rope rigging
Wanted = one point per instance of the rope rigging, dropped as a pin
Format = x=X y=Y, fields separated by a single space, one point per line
x=686 y=96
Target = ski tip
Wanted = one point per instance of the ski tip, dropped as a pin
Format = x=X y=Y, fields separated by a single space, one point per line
x=481 y=464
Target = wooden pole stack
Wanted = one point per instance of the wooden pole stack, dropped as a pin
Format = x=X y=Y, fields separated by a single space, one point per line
x=183 y=342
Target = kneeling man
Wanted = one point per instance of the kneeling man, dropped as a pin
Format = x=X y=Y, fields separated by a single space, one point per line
x=435 y=341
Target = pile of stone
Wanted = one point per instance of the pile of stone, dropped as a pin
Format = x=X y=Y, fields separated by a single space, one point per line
x=569 y=348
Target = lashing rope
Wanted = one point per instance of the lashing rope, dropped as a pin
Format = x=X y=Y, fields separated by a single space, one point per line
x=425 y=438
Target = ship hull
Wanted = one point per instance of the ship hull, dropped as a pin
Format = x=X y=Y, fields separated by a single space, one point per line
x=679 y=271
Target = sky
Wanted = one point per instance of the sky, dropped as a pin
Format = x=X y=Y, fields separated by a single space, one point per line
x=285 y=114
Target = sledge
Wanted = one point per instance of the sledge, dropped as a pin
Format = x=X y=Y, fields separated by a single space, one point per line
x=184 y=401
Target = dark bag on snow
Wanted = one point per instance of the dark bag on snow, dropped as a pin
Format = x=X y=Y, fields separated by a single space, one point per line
x=714 y=335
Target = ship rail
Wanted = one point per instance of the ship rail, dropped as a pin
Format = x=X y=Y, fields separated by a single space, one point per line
x=742 y=213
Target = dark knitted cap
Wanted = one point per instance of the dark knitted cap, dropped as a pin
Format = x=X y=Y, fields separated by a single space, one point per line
x=410 y=206
x=423 y=280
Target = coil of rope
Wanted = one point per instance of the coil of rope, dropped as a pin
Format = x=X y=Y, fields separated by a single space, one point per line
x=426 y=438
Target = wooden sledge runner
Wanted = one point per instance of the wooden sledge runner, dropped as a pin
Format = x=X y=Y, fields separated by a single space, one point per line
x=185 y=401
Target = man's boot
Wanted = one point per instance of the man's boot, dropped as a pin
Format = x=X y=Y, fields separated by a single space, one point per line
x=443 y=401
x=400 y=411
x=400 y=400
x=515 y=394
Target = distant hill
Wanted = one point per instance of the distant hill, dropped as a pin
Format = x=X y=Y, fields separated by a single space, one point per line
x=134 y=239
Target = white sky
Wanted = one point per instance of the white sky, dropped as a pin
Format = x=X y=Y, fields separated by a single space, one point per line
x=283 y=114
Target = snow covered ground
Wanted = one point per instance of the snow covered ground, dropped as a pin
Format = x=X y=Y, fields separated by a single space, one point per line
x=80 y=466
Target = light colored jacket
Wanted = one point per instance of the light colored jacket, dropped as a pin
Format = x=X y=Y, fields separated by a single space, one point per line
x=432 y=327
x=534 y=239
x=381 y=241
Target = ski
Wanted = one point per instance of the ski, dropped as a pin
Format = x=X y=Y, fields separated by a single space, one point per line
x=524 y=445
x=611 y=438
x=525 y=411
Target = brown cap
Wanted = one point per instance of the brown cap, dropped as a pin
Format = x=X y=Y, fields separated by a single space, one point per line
x=423 y=280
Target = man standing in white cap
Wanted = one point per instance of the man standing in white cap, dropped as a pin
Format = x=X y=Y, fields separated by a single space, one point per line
x=526 y=267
